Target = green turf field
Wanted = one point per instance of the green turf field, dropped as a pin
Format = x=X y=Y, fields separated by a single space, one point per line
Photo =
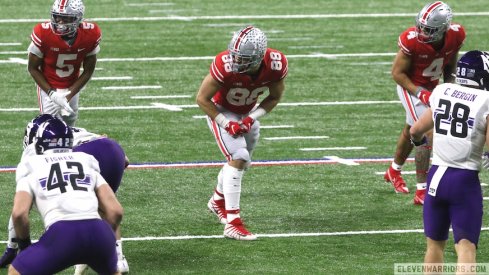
x=327 y=218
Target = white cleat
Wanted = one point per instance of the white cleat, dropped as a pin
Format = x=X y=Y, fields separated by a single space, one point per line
x=81 y=269
x=122 y=265
x=236 y=230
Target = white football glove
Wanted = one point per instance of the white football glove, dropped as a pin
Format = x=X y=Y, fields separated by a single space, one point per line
x=485 y=160
x=59 y=98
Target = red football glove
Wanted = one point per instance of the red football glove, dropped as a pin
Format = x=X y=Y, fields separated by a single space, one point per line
x=246 y=124
x=234 y=129
x=423 y=95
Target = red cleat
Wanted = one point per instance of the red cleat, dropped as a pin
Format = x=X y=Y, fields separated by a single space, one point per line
x=419 y=197
x=397 y=181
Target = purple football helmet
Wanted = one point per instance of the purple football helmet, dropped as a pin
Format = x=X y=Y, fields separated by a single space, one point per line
x=55 y=135
x=473 y=70
x=32 y=126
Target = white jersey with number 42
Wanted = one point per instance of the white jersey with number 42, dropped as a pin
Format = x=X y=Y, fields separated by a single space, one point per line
x=61 y=184
x=459 y=116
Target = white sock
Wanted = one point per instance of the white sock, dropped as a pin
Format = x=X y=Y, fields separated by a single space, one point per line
x=396 y=167
x=421 y=186
x=118 y=249
x=231 y=186
x=11 y=235
x=219 y=187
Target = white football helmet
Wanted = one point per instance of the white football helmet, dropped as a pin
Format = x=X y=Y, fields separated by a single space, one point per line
x=433 y=22
x=66 y=15
x=247 y=49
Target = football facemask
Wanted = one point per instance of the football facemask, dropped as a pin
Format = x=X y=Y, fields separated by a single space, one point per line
x=247 y=49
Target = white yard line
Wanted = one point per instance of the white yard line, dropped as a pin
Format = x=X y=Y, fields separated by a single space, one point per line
x=239 y=17
x=139 y=107
x=131 y=87
x=333 y=148
x=281 y=235
x=159 y=96
x=296 y=137
x=112 y=78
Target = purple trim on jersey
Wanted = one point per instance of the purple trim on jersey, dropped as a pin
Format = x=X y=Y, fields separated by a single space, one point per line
x=67 y=243
x=110 y=156
x=458 y=202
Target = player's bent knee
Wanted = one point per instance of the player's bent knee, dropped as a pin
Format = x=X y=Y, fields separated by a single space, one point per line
x=242 y=154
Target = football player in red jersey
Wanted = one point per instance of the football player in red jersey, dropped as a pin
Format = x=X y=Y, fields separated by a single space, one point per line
x=56 y=53
x=229 y=95
x=427 y=52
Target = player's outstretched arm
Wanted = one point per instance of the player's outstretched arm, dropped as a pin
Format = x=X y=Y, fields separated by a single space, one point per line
x=33 y=66
x=88 y=68
x=20 y=218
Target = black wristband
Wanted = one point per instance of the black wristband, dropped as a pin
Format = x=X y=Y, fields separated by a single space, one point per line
x=51 y=91
x=419 y=143
x=23 y=243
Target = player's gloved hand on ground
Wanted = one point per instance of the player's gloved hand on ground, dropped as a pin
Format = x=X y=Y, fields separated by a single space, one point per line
x=485 y=160
x=246 y=124
x=59 y=98
x=234 y=128
x=424 y=95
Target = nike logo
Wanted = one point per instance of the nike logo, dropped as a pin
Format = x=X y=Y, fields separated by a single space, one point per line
x=79 y=50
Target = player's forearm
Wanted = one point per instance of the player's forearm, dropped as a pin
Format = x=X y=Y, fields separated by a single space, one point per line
x=404 y=81
x=21 y=226
x=40 y=80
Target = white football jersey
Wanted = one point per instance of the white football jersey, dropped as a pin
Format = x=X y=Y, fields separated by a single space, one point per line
x=459 y=116
x=81 y=135
x=62 y=185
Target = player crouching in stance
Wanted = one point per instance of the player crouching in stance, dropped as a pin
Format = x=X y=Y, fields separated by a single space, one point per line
x=68 y=191
x=112 y=162
x=458 y=118
x=228 y=95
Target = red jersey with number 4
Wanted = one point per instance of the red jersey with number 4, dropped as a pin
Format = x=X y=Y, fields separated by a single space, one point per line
x=240 y=91
x=62 y=62
x=427 y=64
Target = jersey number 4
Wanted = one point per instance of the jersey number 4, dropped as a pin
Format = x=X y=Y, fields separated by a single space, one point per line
x=56 y=178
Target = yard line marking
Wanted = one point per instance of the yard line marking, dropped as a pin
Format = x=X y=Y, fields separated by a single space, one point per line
x=148 y=4
x=280 y=235
x=332 y=148
x=275 y=126
x=486 y=198
x=10 y=44
x=483 y=184
x=199 y=117
x=131 y=87
x=112 y=78
x=191 y=58
x=14 y=52
x=167 y=107
x=296 y=137
x=196 y=106
x=342 y=160
x=254 y=163
x=159 y=96
x=234 y=17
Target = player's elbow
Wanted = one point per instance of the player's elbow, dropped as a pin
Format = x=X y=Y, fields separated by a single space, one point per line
x=114 y=214
x=20 y=217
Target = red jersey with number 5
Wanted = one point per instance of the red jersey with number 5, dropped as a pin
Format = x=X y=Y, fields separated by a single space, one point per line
x=427 y=64
x=240 y=91
x=61 y=62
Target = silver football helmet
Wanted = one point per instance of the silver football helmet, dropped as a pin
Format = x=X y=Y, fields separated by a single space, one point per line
x=66 y=15
x=247 y=49
x=433 y=22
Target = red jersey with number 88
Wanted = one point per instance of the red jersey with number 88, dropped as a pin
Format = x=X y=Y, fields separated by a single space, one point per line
x=240 y=91
x=427 y=64
x=62 y=62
